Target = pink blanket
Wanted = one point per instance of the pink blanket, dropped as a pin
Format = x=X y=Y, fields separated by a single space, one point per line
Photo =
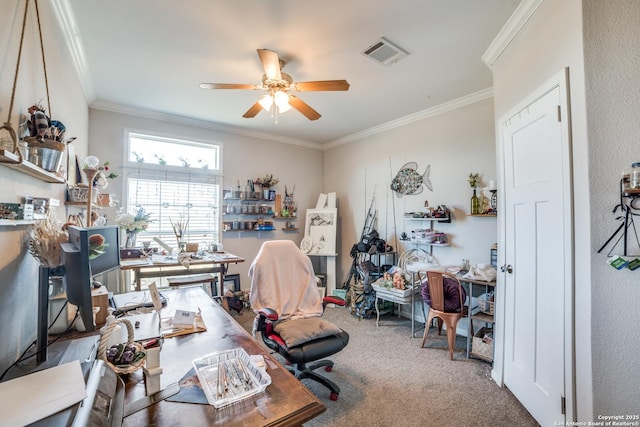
x=282 y=278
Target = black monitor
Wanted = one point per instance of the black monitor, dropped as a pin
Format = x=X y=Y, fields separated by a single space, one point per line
x=90 y=251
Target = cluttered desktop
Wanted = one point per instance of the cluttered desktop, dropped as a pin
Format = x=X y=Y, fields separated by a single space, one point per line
x=166 y=386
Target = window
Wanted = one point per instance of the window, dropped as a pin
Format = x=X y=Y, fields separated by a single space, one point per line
x=175 y=181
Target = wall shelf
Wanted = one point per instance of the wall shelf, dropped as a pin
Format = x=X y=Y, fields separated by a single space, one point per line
x=445 y=219
x=244 y=230
x=14 y=222
x=12 y=161
x=484 y=215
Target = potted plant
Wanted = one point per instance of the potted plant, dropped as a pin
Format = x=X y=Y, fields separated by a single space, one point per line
x=266 y=183
x=132 y=224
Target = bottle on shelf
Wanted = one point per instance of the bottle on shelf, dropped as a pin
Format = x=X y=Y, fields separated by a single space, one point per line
x=475 y=203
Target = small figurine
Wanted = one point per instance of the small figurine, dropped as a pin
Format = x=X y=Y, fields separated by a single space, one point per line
x=39 y=122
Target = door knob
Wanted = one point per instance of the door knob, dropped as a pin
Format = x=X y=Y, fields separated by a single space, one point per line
x=507 y=268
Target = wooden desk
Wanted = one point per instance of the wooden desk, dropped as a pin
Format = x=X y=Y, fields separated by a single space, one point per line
x=286 y=402
x=214 y=263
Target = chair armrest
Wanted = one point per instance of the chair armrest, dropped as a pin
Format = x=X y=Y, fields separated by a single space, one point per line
x=332 y=299
x=268 y=313
x=265 y=316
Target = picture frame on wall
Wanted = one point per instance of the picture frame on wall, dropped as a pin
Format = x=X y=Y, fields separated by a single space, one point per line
x=320 y=232
x=231 y=283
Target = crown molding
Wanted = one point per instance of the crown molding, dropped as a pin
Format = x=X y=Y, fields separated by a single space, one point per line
x=70 y=34
x=516 y=21
x=204 y=124
x=420 y=115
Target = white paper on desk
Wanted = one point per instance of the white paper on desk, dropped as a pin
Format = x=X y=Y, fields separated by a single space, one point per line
x=134 y=262
x=220 y=257
x=35 y=396
x=164 y=259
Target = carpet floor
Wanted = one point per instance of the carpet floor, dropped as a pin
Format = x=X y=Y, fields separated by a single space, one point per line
x=386 y=379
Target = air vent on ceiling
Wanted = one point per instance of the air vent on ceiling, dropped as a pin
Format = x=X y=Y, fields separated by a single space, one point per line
x=384 y=52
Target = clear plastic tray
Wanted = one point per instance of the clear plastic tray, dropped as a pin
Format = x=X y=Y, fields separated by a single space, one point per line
x=229 y=376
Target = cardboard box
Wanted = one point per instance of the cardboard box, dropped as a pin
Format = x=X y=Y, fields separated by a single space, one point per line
x=100 y=298
x=129 y=253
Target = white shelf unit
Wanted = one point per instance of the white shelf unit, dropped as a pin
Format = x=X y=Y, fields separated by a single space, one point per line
x=420 y=241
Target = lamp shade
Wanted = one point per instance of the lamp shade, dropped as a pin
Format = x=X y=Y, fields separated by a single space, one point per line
x=282 y=101
x=266 y=102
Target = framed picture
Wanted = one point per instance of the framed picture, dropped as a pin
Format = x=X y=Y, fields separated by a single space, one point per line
x=320 y=232
x=231 y=283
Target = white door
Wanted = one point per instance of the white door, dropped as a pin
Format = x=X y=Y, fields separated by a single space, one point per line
x=537 y=238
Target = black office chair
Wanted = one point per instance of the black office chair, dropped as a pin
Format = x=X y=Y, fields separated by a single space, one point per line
x=285 y=297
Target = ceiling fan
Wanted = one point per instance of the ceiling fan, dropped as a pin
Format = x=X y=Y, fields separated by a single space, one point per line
x=279 y=84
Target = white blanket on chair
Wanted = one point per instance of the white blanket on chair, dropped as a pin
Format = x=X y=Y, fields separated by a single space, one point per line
x=282 y=278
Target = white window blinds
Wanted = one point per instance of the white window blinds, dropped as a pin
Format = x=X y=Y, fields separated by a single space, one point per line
x=189 y=194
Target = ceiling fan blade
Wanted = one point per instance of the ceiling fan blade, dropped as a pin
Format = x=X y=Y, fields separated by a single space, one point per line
x=270 y=63
x=303 y=107
x=322 y=85
x=253 y=111
x=227 y=86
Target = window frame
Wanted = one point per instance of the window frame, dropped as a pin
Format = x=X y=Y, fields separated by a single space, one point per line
x=144 y=170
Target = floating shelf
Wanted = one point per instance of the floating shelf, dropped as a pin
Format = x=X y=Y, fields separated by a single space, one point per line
x=410 y=218
x=244 y=230
x=290 y=229
x=12 y=161
x=485 y=215
x=14 y=222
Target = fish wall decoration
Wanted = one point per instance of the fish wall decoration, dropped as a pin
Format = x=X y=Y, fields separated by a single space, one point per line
x=408 y=181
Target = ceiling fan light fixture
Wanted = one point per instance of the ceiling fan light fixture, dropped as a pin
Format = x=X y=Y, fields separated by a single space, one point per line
x=281 y=99
x=266 y=102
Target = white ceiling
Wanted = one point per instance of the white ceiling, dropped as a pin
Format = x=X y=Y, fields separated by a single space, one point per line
x=153 y=54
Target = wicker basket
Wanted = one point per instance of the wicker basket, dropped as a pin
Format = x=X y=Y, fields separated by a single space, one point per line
x=80 y=193
x=103 y=347
x=482 y=346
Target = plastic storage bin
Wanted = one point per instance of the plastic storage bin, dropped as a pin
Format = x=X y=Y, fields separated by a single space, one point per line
x=229 y=376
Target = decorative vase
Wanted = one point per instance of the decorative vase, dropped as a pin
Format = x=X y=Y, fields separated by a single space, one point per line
x=265 y=193
x=475 y=203
x=494 y=201
x=131 y=239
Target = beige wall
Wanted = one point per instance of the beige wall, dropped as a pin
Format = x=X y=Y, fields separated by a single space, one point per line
x=454 y=144
x=550 y=41
x=598 y=41
x=612 y=66
x=243 y=158
x=18 y=269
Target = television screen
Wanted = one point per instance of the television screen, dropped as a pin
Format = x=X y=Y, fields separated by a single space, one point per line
x=90 y=251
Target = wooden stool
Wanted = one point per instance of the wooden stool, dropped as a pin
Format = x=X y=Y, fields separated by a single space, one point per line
x=176 y=282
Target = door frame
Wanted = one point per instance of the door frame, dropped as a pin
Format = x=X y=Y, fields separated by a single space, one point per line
x=561 y=81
